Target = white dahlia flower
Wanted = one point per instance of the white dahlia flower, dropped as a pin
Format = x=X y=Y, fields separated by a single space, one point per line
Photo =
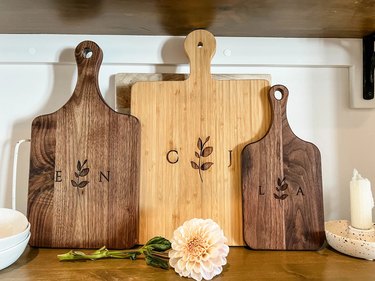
x=199 y=249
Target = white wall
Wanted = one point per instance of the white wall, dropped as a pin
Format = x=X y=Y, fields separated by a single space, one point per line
x=37 y=75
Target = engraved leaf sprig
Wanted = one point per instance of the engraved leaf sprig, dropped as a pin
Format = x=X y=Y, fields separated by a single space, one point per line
x=202 y=153
x=81 y=172
x=281 y=186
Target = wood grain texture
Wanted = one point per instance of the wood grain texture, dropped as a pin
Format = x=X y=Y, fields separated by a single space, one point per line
x=282 y=187
x=84 y=169
x=125 y=81
x=243 y=265
x=257 y=18
x=193 y=132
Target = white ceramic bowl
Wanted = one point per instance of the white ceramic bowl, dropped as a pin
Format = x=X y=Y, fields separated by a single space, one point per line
x=350 y=241
x=10 y=241
x=10 y=255
x=12 y=222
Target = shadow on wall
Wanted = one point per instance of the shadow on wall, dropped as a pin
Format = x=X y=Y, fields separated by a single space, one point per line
x=60 y=92
x=64 y=75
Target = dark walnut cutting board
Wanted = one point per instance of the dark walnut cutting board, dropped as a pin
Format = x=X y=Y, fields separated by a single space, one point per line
x=193 y=132
x=84 y=168
x=282 y=187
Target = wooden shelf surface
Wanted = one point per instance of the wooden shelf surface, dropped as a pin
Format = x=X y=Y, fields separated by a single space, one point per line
x=262 y=18
x=243 y=264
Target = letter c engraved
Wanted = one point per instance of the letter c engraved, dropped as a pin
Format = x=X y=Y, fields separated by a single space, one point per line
x=174 y=159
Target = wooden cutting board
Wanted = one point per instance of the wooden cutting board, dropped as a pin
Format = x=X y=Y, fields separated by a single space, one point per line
x=282 y=187
x=125 y=81
x=193 y=132
x=84 y=168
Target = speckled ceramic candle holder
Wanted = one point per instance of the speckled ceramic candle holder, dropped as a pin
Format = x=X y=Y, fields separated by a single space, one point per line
x=349 y=240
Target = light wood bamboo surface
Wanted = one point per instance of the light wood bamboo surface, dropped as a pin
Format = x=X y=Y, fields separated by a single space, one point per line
x=192 y=135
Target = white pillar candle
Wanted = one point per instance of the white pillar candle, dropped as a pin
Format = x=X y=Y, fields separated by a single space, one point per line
x=361 y=202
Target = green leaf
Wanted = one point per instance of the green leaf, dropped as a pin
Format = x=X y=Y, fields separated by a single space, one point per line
x=157 y=262
x=133 y=256
x=154 y=240
x=159 y=244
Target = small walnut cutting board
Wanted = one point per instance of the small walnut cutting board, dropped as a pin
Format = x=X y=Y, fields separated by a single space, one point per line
x=84 y=168
x=193 y=132
x=282 y=187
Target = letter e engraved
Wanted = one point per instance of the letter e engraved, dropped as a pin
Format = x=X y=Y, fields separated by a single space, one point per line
x=58 y=177
x=102 y=175
x=261 y=191
x=300 y=191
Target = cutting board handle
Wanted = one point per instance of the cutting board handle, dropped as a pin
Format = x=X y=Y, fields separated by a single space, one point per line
x=278 y=94
x=278 y=97
x=89 y=58
x=200 y=46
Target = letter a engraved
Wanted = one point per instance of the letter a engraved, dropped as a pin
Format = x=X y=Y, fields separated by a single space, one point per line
x=300 y=191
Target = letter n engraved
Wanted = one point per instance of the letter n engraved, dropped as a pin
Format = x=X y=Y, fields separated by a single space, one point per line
x=58 y=177
x=102 y=175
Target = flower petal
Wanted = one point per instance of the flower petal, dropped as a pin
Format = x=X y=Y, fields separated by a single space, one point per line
x=198 y=249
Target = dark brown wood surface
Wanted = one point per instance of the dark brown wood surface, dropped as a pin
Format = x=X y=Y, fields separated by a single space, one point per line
x=271 y=18
x=282 y=187
x=243 y=265
x=84 y=168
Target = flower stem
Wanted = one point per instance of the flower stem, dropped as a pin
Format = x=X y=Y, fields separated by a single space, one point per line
x=154 y=252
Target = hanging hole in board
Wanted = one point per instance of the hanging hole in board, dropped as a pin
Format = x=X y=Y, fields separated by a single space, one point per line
x=278 y=95
x=200 y=45
x=87 y=53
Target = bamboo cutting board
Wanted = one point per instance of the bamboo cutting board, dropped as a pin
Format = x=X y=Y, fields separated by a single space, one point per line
x=84 y=168
x=282 y=187
x=193 y=132
x=125 y=81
